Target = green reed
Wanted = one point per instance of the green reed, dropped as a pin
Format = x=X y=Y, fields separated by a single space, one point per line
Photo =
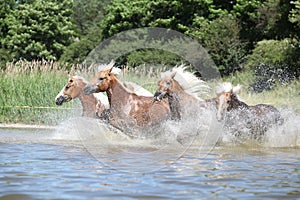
x=286 y=95
x=28 y=91
x=145 y=76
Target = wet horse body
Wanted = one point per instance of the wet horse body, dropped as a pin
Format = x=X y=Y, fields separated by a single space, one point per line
x=183 y=91
x=239 y=116
x=181 y=102
x=91 y=106
x=128 y=111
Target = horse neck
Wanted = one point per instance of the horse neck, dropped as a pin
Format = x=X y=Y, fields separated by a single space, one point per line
x=175 y=106
x=177 y=100
x=88 y=103
x=235 y=103
x=116 y=91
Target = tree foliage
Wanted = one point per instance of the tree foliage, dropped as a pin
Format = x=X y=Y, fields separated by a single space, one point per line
x=87 y=16
x=69 y=30
x=295 y=13
x=221 y=38
x=38 y=29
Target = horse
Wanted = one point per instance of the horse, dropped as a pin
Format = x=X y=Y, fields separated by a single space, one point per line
x=128 y=110
x=257 y=119
x=183 y=90
x=93 y=105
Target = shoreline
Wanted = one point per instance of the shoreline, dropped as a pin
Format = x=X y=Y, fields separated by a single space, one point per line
x=25 y=126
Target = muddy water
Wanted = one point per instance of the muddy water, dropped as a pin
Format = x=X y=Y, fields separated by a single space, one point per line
x=82 y=160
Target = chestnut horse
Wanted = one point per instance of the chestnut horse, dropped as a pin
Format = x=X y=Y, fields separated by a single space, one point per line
x=182 y=89
x=92 y=105
x=258 y=118
x=128 y=110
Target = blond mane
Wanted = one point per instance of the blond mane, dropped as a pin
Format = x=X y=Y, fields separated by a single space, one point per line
x=188 y=81
x=79 y=78
x=115 y=70
x=227 y=87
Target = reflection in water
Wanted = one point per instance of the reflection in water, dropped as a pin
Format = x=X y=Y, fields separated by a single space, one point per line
x=85 y=159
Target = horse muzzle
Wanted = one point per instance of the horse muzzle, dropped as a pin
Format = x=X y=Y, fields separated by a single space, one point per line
x=158 y=96
x=61 y=99
x=90 y=89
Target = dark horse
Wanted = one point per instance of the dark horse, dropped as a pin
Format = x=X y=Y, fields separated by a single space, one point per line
x=257 y=119
x=182 y=89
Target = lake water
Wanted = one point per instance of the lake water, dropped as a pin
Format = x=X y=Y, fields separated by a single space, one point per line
x=84 y=159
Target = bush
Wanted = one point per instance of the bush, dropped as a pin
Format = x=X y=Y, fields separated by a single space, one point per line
x=152 y=57
x=221 y=38
x=274 y=62
x=266 y=77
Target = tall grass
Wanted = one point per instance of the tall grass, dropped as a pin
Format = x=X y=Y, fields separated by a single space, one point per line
x=282 y=95
x=28 y=90
x=143 y=75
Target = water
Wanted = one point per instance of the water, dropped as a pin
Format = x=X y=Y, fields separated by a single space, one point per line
x=84 y=159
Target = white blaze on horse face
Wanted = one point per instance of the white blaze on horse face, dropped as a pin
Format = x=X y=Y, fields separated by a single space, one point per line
x=61 y=93
x=221 y=106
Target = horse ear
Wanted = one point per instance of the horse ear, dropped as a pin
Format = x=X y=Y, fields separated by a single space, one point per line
x=173 y=75
x=236 y=89
x=110 y=70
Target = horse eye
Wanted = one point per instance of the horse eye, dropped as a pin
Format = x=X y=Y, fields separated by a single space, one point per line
x=100 y=79
x=71 y=81
x=67 y=87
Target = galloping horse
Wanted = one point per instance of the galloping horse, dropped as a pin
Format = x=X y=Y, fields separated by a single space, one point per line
x=128 y=110
x=256 y=118
x=93 y=105
x=182 y=89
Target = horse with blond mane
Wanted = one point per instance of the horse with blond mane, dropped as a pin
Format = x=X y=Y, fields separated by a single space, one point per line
x=257 y=119
x=128 y=110
x=92 y=105
x=183 y=90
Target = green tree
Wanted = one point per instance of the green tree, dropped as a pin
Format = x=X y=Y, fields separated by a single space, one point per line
x=39 y=29
x=221 y=38
x=294 y=16
x=5 y=8
x=213 y=23
x=127 y=14
x=87 y=16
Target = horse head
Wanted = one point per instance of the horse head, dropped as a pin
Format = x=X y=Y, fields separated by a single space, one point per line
x=226 y=98
x=165 y=87
x=71 y=90
x=100 y=83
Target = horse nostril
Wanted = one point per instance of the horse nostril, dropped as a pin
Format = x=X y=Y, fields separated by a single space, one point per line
x=157 y=96
x=59 y=101
x=157 y=93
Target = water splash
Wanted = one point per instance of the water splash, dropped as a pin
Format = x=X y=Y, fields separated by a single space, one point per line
x=119 y=150
x=286 y=135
